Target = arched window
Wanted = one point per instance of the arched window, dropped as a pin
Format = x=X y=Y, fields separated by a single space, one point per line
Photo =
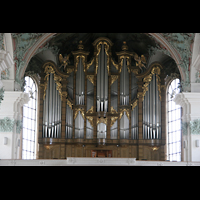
x=30 y=121
x=174 y=123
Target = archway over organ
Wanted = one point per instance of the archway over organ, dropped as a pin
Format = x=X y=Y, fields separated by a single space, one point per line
x=104 y=101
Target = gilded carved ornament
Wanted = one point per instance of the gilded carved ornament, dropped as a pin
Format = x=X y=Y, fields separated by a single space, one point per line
x=91 y=78
x=98 y=52
x=69 y=103
x=114 y=78
x=77 y=61
x=102 y=120
x=134 y=104
x=76 y=110
x=114 y=64
x=122 y=113
x=113 y=118
x=49 y=70
x=90 y=118
x=155 y=70
x=64 y=61
x=121 y=62
x=90 y=63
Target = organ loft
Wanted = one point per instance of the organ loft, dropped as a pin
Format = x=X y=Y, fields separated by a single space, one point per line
x=102 y=99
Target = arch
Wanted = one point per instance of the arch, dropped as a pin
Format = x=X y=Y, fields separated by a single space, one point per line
x=156 y=36
x=195 y=62
x=9 y=49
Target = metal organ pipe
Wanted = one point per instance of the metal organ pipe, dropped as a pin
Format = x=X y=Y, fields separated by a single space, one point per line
x=102 y=82
x=124 y=85
x=80 y=83
x=152 y=111
x=52 y=110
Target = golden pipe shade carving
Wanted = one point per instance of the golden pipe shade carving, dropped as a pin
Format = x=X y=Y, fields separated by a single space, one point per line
x=69 y=103
x=122 y=113
x=90 y=118
x=98 y=52
x=114 y=64
x=77 y=61
x=114 y=78
x=134 y=104
x=91 y=78
x=49 y=70
x=76 y=110
x=155 y=70
x=102 y=120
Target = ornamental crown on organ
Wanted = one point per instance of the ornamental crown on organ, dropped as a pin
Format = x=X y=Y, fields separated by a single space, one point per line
x=102 y=95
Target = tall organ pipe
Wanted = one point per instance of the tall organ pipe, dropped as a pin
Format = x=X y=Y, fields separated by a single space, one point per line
x=102 y=82
x=152 y=111
x=52 y=110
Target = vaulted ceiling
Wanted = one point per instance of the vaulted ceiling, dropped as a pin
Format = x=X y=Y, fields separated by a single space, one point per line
x=141 y=43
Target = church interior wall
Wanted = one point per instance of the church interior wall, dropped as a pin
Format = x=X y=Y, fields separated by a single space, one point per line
x=65 y=149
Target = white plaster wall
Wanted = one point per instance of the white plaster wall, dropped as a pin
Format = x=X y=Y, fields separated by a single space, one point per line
x=195 y=151
x=6 y=150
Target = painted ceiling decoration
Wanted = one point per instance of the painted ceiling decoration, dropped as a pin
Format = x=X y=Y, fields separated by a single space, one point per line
x=63 y=43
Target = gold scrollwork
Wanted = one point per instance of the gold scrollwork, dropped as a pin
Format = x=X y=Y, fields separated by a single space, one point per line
x=113 y=118
x=70 y=70
x=122 y=113
x=90 y=118
x=114 y=78
x=121 y=63
x=134 y=104
x=76 y=110
x=98 y=52
x=77 y=61
x=91 y=78
x=90 y=63
x=57 y=80
x=102 y=120
x=114 y=64
x=155 y=70
x=113 y=111
x=49 y=70
x=69 y=103
x=64 y=94
x=135 y=71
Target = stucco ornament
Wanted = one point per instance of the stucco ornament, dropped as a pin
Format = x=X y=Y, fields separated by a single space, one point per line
x=23 y=42
x=195 y=126
x=6 y=124
x=184 y=127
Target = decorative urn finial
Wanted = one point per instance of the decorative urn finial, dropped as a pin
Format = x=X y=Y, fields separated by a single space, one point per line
x=80 y=46
x=124 y=46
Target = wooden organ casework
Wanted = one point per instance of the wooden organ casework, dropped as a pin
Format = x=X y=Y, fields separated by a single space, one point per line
x=102 y=105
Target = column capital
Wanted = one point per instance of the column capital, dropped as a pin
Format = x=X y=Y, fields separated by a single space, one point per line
x=12 y=103
x=190 y=102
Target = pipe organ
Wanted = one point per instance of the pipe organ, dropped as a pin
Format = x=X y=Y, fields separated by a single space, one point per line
x=102 y=103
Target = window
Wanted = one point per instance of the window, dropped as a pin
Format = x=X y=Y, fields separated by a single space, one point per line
x=174 y=123
x=29 y=121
